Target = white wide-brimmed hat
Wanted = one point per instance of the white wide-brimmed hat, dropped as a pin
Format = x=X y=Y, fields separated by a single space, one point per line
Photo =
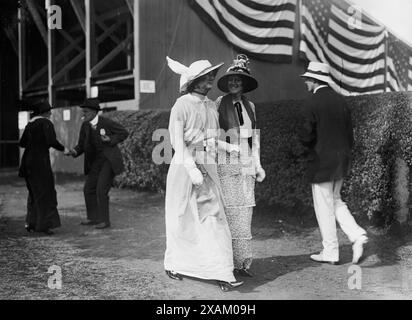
x=194 y=71
x=319 y=71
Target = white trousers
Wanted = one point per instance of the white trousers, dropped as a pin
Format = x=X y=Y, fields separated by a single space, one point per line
x=328 y=208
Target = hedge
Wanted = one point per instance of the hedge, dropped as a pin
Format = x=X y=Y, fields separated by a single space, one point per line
x=140 y=171
x=382 y=130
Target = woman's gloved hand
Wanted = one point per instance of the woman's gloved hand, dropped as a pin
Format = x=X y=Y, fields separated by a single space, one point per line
x=196 y=176
x=260 y=174
x=233 y=148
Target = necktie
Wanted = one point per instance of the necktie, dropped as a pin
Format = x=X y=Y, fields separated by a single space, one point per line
x=239 y=113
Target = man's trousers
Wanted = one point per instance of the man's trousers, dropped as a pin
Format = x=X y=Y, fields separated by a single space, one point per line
x=328 y=208
x=96 y=190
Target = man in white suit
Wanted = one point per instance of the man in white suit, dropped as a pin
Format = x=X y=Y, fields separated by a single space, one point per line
x=328 y=136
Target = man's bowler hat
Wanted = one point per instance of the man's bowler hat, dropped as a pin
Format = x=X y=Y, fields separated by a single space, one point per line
x=91 y=103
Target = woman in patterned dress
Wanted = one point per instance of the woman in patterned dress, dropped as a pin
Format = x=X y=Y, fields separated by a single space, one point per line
x=198 y=240
x=238 y=171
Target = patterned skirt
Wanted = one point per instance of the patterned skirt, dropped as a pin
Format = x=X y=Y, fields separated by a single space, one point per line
x=239 y=195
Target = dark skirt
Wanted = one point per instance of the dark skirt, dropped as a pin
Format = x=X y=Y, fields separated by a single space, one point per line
x=42 y=213
x=38 y=137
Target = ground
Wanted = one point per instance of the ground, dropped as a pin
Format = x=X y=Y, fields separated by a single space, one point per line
x=126 y=261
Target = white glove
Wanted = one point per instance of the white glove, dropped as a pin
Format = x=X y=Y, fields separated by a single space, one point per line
x=196 y=176
x=233 y=148
x=260 y=174
x=211 y=145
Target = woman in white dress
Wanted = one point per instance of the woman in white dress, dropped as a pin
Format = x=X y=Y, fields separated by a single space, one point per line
x=198 y=239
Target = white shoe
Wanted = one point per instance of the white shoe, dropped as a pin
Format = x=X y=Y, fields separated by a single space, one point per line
x=319 y=258
x=357 y=248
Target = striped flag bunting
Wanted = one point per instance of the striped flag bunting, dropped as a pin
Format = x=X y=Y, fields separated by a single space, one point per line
x=262 y=28
x=355 y=51
x=399 y=76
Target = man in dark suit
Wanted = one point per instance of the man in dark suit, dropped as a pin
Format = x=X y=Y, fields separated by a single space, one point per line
x=328 y=136
x=98 y=140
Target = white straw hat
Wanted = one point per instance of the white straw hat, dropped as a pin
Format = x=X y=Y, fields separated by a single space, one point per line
x=319 y=71
x=194 y=71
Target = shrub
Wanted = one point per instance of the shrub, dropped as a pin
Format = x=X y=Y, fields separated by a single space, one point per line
x=382 y=130
x=140 y=171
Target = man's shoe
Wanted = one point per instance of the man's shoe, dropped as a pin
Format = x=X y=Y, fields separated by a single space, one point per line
x=103 y=225
x=88 y=223
x=29 y=228
x=319 y=258
x=357 y=248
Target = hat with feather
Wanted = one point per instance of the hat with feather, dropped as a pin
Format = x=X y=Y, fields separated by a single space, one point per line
x=240 y=67
x=189 y=74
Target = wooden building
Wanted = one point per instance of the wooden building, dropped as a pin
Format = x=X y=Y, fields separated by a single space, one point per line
x=118 y=48
x=9 y=133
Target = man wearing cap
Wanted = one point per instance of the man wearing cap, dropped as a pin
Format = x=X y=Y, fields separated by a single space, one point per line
x=98 y=140
x=328 y=136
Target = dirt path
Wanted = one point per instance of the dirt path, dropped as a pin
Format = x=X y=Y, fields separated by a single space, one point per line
x=126 y=261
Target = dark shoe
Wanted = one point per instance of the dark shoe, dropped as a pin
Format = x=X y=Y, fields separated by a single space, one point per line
x=48 y=232
x=226 y=286
x=244 y=272
x=103 y=225
x=174 y=275
x=88 y=223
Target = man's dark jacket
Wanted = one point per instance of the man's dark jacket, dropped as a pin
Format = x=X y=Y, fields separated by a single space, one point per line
x=111 y=151
x=328 y=135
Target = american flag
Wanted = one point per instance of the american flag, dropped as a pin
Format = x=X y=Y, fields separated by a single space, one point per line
x=263 y=29
x=399 y=60
x=354 y=49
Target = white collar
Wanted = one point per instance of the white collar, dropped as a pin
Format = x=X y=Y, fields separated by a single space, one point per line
x=199 y=96
x=320 y=87
x=95 y=120
x=234 y=100
x=36 y=117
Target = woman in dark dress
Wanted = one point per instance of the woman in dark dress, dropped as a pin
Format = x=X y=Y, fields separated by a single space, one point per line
x=35 y=168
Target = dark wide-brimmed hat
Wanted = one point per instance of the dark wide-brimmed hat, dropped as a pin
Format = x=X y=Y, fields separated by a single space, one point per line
x=91 y=103
x=240 y=68
x=40 y=107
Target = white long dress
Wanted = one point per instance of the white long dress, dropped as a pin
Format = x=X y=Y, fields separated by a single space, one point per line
x=198 y=239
